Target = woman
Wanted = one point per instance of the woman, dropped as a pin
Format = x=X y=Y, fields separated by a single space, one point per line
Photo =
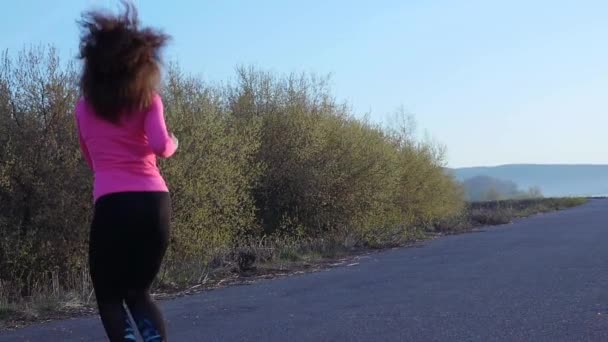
x=122 y=131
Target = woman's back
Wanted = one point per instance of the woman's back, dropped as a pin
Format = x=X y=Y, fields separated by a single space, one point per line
x=122 y=130
x=123 y=155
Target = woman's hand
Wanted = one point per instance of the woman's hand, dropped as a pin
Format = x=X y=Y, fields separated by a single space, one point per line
x=175 y=141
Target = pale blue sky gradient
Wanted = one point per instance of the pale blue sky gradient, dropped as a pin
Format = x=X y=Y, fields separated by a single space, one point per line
x=495 y=81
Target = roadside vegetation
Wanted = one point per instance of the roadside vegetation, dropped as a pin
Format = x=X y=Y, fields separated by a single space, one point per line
x=273 y=175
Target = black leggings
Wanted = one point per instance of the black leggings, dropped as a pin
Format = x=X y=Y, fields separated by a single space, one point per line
x=129 y=237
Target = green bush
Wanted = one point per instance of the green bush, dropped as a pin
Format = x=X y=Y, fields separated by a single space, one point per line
x=45 y=191
x=329 y=174
x=265 y=156
x=212 y=175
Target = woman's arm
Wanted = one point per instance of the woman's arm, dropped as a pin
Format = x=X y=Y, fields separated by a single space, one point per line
x=81 y=142
x=85 y=151
x=162 y=143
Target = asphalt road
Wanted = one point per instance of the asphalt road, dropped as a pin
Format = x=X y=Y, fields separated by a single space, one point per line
x=539 y=279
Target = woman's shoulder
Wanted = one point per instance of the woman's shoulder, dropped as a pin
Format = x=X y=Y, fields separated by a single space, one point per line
x=156 y=99
x=156 y=103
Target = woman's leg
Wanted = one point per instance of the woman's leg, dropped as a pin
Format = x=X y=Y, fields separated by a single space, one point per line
x=106 y=251
x=147 y=316
x=151 y=235
x=116 y=321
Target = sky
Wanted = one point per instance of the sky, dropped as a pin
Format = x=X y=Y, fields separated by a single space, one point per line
x=496 y=82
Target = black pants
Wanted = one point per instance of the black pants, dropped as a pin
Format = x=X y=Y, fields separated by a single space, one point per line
x=128 y=240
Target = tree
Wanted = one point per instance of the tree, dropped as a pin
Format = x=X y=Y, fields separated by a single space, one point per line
x=535 y=192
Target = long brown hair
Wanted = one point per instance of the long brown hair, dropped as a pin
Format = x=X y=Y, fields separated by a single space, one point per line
x=121 y=68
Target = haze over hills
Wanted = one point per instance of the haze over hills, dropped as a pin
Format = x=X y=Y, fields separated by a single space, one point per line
x=553 y=180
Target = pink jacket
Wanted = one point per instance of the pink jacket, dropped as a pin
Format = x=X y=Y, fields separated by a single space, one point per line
x=123 y=156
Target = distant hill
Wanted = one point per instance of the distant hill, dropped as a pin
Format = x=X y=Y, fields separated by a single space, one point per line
x=553 y=180
x=485 y=188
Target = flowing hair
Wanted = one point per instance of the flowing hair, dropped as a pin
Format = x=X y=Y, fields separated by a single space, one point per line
x=121 y=70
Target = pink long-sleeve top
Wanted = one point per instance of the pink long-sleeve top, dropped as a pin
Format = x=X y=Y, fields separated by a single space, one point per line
x=123 y=155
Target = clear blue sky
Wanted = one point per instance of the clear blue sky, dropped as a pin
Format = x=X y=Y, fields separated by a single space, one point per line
x=496 y=81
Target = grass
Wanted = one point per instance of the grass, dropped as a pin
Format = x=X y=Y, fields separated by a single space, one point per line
x=503 y=212
x=261 y=259
x=7 y=312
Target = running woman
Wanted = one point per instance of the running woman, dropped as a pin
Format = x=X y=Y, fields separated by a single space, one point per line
x=122 y=131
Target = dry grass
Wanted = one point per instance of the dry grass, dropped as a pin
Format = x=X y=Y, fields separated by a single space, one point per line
x=502 y=212
x=493 y=213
